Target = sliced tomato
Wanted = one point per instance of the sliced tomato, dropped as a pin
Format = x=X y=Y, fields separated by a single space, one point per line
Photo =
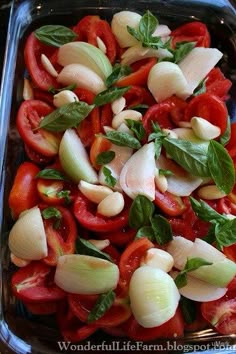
x=36 y=157
x=138 y=95
x=217 y=84
x=42 y=308
x=231 y=146
x=43 y=96
x=60 y=239
x=113 y=253
x=170 y=329
x=181 y=228
x=226 y=206
x=139 y=75
x=81 y=305
x=82 y=28
x=23 y=194
x=209 y=107
x=230 y=252
x=106 y=115
x=170 y=204
x=191 y=32
x=120 y=237
x=34 y=283
x=100 y=144
x=85 y=212
x=27 y=121
x=221 y=314
x=32 y=53
x=56 y=192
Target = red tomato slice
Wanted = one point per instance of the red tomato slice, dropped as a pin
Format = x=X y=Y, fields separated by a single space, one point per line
x=170 y=329
x=99 y=145
x=60 y=240
x=169 y=203
x=120 y=237
x=138 y=77
x=49 y=191
x=82 y=28
x=42 y=308
x=43 y=96
x=221 y=314
x=23 y=194
x=137 y=95
x=32 y=53
x=209 y=107
x=28 y=119
x=81 y=305
x=34 y=283
x=85 y=213
x=181 y=228
x=36 y=157
x=226 y=206
x=191 y=32
x=106 y=115
x=230 y=252
x=217 y=84
x=231 y=146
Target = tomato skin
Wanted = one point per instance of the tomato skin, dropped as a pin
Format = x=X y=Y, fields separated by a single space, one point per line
x=43 y=96
x=85 y=213
x=36 y=157
x=158 y=113
x=100 y=144
x=181 y=228
x=23 y=194
x=60 y=241
x=32 y=54
x=48 y=190
x=221 y=313
x=192 y=32
x=169 y=203
x=28 y=119
x=81 y=305
x=139 y=76
x=170 y=329
x=209 y=107
x=42 y=308
x=230 y=252
x=120 y=237
x=137 y=95
x=217 y=84
x=106 y=115
x=34 y=283
x=226 y=206
x=231 y=146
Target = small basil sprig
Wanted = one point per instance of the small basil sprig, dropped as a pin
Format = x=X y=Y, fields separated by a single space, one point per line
x=205 y=212
x=201 y=88
x=87 y=248
x=182 y=50
x=68 y=116
x=51 y=173
x=54 y=90
x=109 y=179
x=55 y=35
x=191 y=265
x=145 y=231
x=141 y=211
x=118 y=72
x=158 y=136
x=123 y=139
x=65 y=194
x=105 y=157
x=136 y=127
x=189 y=310
x=102 y=305
x=52 y=212
x=110 y=95
x=225 y=137
x=162 y=229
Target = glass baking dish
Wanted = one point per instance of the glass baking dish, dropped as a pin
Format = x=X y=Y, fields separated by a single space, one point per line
x=21 y=332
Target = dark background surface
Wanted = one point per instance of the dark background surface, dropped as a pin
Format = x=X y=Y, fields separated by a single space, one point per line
x=4 y=16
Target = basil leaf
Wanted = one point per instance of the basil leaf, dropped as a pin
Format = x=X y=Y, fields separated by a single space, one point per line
x=55 y=35
x=66 y=195
x=68 y=116
x=85 y=247
x=110 y=95
x=102 y=305
x=162 y=229
x=165 y=172
x=51 y=173
x=105 y=157
x=191 y=156
x=52 y=212
x=225 y=137
x=205 y=212
x=158 y=146
x=136 y=127
x=123 y=139
x=145 y=231
x=140 y=212
x=140 y=107
x=182 y=50
x=53 y=90
x=201 y=88
x=135 y=33
x=181 y=280
x=226 y=234
x=221 y=167
x=109 y=179
x=210 y=236
x=118 y=72
x=147 y=25
x=189 y=310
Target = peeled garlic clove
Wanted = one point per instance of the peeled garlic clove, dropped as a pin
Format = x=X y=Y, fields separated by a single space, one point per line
x=119 y=24
x=210 y=192
x=18 y=261
x=27 y=238
x=101 y=45
x=112 y=205
x=64 y=97
x=157 y=258
x=48 y=65
x=28 y=93
x=94 y=192
x=204 y=129
x=126 y=114
x=118 y=105
x=100 y=244
x=161 y=182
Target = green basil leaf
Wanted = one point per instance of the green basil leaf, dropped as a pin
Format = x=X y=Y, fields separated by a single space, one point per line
x=118 y=72
x=153 y=42
x=110 y=95
x=221 y=167
x=162 y=229
x=225 y=137
x=102 y=305
x=66 y=195
x=53 y=90
x=140 y=107
x=105 y=157
x=158 y=146
x=140 y=212
x=51 y=173
x=136 y=127
x=68 y=116
x=182 y=50
x=123 y=139
x=165 y=172
x=195 y=263
x=205 y=212
x=181 y=280
x=201 y=88
x=135 y=33
x=52 y=212
x=147 y=25
x=145 y=231
x=189 y=310
x=109 y=179
x=191 y=156
x=85 y=247
x=226 y=233
x=210 y=236
x=55 y=35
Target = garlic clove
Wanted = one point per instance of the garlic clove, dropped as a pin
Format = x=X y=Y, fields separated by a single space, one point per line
x=64 y=97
